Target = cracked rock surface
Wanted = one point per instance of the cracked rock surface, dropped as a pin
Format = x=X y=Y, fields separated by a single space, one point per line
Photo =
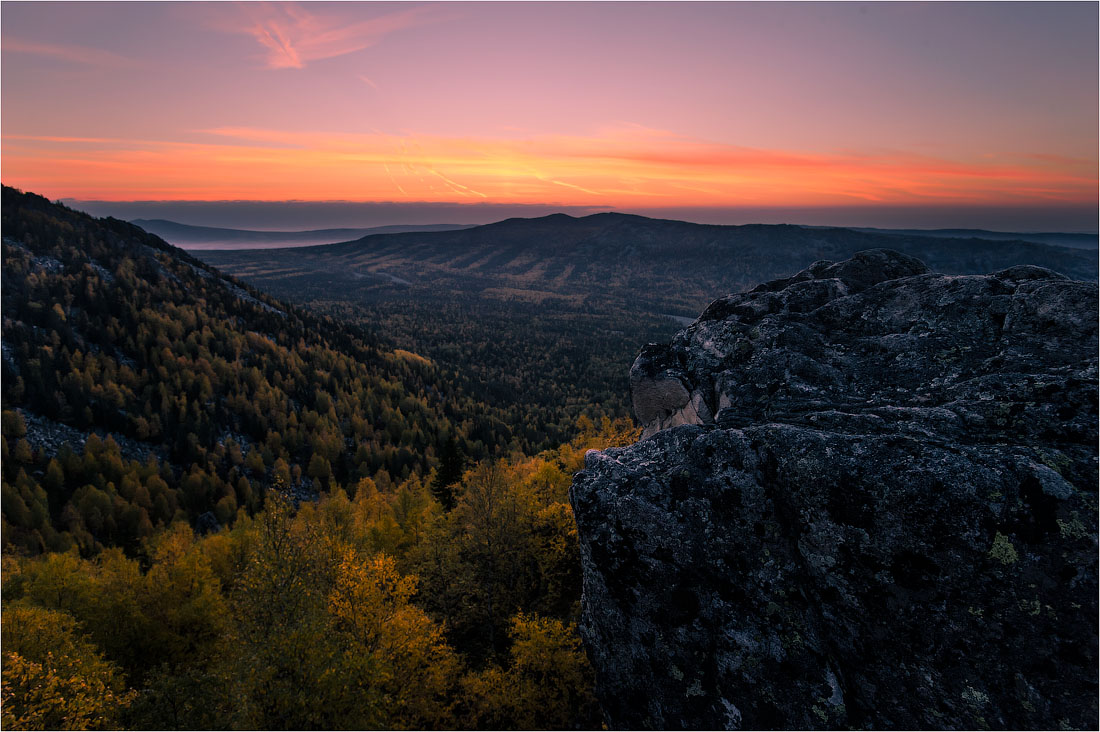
x=866 y=496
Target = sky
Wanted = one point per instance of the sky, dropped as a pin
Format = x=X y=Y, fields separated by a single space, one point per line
x=880 y=114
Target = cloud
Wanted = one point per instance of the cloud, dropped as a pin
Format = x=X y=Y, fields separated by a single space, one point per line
x=294 y=35
x=51 y=138
x=457 y=187
x=547 y=179
x=83 y=55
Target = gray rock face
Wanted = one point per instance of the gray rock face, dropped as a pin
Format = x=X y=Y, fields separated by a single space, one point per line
x=866 y=496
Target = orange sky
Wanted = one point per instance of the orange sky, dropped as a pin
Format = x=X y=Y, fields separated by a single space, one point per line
x=616 y=167
x=620 y=105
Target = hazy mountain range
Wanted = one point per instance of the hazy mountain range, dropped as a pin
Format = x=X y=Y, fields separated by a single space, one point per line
x=1076 y=240
x=210 y=237
x=633 y=262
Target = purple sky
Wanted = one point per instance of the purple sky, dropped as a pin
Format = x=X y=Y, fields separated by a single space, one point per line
x=903 y=114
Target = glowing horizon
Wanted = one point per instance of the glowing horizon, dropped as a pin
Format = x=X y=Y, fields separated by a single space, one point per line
x=610 y=170
x=760 y=105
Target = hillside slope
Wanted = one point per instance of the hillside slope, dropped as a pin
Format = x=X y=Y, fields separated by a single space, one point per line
x=209 y=390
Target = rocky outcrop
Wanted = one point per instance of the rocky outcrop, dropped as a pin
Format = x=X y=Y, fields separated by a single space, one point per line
x=866 y=496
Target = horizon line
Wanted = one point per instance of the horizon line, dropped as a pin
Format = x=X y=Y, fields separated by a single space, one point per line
x=299 y=215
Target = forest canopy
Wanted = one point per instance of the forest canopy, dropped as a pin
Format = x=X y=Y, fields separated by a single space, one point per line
x=224 y=511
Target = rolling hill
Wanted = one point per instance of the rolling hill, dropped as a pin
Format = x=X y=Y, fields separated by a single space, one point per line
x=636 y=262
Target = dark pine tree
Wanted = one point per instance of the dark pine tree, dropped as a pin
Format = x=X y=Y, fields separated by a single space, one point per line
x=451 y=464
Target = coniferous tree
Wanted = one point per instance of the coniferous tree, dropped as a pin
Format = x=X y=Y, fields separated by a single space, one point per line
x=451 y=465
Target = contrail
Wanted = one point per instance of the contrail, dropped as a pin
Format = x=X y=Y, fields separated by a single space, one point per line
x=454 y=185
x=392 y=179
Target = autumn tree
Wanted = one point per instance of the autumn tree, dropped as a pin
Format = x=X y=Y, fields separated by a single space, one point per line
x=546 y=684
x=54 y=677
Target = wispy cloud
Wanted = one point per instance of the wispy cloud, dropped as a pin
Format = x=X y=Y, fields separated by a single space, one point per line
x=83 y=55
x=393 y=180
x=547 y=179
x=294 y=35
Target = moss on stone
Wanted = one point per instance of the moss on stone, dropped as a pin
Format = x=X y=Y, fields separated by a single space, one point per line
x=1002 y=550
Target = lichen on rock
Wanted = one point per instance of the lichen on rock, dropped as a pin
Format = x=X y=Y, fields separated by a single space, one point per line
x=815 y=530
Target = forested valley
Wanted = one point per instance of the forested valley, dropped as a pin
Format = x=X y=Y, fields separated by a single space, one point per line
x=542 y=317
x=224 y=511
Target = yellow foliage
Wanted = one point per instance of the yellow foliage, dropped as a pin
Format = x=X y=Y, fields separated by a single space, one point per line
x=409 y=657
x=326 y=615
x=53 y=678
x=366 y=595
x=546 y=685
x=413 y=357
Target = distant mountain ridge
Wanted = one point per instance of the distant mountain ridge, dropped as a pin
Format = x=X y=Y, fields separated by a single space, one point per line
x=590 y=255
x=1075 y=240
x=612 y=227
x=210 y=237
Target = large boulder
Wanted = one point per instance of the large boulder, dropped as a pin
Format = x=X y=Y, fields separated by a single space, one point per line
x=866 y=496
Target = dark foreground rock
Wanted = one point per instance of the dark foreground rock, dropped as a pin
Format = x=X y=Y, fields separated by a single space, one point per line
x=866 y=497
